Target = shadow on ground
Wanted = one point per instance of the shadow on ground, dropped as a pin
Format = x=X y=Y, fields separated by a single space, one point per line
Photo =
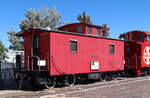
x=12 y=84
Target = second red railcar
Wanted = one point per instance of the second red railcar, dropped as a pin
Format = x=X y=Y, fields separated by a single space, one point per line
x=137 y=52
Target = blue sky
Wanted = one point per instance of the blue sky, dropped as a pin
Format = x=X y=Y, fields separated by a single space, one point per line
x=120 y=15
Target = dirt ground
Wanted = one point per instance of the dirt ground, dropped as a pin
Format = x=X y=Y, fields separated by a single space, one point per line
x=138 y=87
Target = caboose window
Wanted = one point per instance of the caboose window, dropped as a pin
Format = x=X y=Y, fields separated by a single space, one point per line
x=98 y=32
x=79 y=29
x=128 y=50
x=66 y=30
x=140 y=37
x=73 y=46
x=36 y=41
x=89 y=30
x=148 y=37
x=112 y=49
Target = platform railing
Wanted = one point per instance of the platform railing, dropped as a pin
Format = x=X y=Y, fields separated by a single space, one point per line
x=132 y=60
x=29 y=62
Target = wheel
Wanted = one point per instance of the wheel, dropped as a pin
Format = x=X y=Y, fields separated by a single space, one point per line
x=19 y=79
x=17 y=76
x=148 y=72
x=70 y=80
x=145 y=73
x=114 y=75
x=50 y=83
x=20 y=83
x=35 y=81
x=103 y=76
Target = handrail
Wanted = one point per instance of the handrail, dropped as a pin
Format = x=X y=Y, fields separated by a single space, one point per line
x=28 y=62
x=135 y=59
x=56 y=67
x=31 y=62
x=48 y=62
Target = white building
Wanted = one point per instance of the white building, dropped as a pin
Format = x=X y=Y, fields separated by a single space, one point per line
x=12 y=54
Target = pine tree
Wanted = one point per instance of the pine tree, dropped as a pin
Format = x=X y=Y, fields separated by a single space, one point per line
x=2 y=51
x=16 y=42
x=43 y=18
x=84 y=18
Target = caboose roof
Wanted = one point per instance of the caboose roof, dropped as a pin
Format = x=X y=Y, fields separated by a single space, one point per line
x=64 y=32
x=97 y=26
x=59 y=28
x=137 y=31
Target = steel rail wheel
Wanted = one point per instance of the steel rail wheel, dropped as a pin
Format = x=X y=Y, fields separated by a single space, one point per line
x=103 y=76
x=70 y=80
x=148 y=72
x=50 y=83
x=35 y=82
x=20 y=79
x=114 y=75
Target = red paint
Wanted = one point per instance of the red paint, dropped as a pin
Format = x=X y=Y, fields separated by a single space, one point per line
x=89 y=49
x=55 y=49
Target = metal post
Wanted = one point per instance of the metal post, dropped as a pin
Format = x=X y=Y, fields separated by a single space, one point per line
x=27 y=62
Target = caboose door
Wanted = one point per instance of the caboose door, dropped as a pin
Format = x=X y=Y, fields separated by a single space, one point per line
x=36 y=50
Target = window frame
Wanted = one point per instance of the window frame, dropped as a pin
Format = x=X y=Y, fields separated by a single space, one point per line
x=128 y=50
x=89 y=30
x=139 y=37
x=36 y=41
x=148 y=36
x=75 y=50
x=79 y=29
x=110 y=49
x=97 y=33
x=66 y=29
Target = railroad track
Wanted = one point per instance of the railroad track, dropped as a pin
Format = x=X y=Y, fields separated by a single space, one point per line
x=79 y=88
x=98 y=85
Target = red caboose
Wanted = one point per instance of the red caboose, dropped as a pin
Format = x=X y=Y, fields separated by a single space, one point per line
x=74 y=50
x=137 y=52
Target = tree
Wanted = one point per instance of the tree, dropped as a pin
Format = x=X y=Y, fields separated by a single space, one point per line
x=84 y=18
x=105 y=30
x=43 y=18
x=16 y=42
x=2 y=51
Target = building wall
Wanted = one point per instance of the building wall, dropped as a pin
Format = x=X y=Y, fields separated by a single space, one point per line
x=12 y=54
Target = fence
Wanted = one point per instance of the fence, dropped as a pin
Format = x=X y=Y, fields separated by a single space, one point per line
x=7 y=76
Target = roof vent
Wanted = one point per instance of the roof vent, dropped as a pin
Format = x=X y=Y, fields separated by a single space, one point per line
x=48 y=28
